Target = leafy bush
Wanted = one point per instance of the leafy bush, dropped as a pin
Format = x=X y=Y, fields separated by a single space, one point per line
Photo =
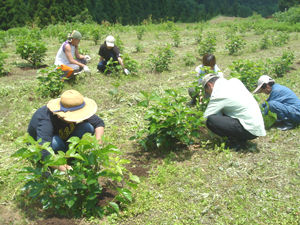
x=139 y=47
x=115 y=69
x=208 y=44
x=280 y=39
x=119 y=43
x=280 y=65
x=161 y=61
x=170 y=120
x=265 y=42
x=176 y=37
x=131 y=64
x=269 y=119
x=50 y=83
x=248 y=72
x=140 y=30
x=3 y=69
x=235 y=44
x=189 y=59
x=95 y=33
x=32 y=50
x=292 y=15
x=75 y=192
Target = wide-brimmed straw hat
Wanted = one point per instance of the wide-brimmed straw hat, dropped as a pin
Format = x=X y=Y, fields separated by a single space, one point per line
x=72 y=106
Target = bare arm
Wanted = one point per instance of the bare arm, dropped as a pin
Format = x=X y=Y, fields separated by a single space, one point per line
x=121 y=62
x=70 y=57
x=99 y=131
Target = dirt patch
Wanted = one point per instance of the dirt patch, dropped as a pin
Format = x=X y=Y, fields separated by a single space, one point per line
x=57 y=221
x=106 y=196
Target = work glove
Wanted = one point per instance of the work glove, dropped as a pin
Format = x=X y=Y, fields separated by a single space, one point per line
x=87 y=58
x=126 y=71
x=86 y=69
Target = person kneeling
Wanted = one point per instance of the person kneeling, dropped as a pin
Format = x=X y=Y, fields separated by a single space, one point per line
x=68 y=116
x=232 y=111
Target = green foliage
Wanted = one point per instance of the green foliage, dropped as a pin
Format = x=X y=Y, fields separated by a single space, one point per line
x=119 y=43
x=170 y=121
x=139 y=47
x=189 y=59
x=161 y=61
x=140 y=30
x=115 y=93
x=3 y=67
x=208 y=44
x=75 y=192
x=176 y=38
x=131 y=64
x=280 y=39
x=113 y=68
x=269 y=119
x=280 y=65
x=95 y=33
x=248 y=72
x=235 y=44
x=291 y=16
x=50 y=83
x=31 y=50
x=265 y=42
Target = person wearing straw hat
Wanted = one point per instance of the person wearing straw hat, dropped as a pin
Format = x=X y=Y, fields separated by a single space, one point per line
x=282 y=101
x=232 y=111
x=65 y=57
x=65 y=117
x=108 y=50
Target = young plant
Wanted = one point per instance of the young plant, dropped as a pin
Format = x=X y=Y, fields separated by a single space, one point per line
x=280 y=39
x=76 y=192
x=265 y=42
x=161 y=61
x=50 y=82
x=235 y=44
x=189 y=59
x=176 y=38
x=115 y=93
x=208 y=44
x=95 y=33
x=170 y=121
x=3 y=69
x=113 y=68
x=140 y=30
x=139 y=47
x=131 y=64
x=31 y=50
x=281 y=65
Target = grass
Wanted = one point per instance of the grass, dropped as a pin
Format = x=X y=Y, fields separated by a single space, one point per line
x=201 y=184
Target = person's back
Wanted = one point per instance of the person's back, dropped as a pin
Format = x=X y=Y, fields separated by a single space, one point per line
x=284 y=95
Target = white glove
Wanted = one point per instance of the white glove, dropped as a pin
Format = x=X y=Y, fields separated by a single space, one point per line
x=87 y=58
x=126 y=71
x=86 y=69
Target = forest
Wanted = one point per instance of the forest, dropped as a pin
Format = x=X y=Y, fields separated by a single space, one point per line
x=16 y=13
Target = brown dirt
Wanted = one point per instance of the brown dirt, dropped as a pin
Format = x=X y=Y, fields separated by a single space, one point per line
x=106 y=196
x=57 y=221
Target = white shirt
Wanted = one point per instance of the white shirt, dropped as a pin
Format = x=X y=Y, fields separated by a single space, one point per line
x=201 y=72
x=61 y=58
x=232 y=98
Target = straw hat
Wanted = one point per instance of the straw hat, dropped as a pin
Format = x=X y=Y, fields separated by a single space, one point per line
x=72 y=106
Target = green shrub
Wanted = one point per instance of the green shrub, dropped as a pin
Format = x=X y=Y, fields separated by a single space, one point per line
x=189 y=59
x=269 y=119
x=34 y=51
x=139 y=47
x=235 y=44
x=131 y=64
x=113 y=68
x=95 y=33
x=280 y=65
x=170 y=121
x=119 y=43
x=140 y=30
x=62 y=37
x=208 y=44
x=161 y=61
x=76 y=192
x=3 y=68
x=176 y=38
x=292 y=15
x=265 y=42
x=50 y=82
x=280 y=39
x=248 y=72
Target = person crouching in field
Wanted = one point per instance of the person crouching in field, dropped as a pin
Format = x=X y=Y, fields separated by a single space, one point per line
x=65 y=57
x=208 y=61
x=68 y=116
x=108 y=50
x=232 y=111
x=282 y=101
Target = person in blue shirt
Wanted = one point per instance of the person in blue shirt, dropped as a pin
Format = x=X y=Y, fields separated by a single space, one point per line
x=282 y=101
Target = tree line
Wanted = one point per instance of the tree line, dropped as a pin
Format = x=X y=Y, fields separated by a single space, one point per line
x=14 y=13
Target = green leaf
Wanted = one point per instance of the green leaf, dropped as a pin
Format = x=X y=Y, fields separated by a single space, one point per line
x=70 y=201
x=115 y=206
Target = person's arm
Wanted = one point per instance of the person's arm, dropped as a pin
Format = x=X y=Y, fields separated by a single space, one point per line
x=99 y=125
x=70 y=57
x=120 y=60
x=99 y=131
x=215 y=106
x=77 y=54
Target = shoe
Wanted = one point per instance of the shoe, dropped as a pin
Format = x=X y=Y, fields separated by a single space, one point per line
x=236 y=145
x=286 y=126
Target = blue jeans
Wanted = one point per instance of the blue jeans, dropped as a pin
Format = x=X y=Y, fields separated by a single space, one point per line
x=102 y=64
x=285 y=112
x=58 y=144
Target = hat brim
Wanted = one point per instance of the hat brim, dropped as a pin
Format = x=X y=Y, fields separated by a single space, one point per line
x=257 y=90
x=76 y=116
x=109 y=44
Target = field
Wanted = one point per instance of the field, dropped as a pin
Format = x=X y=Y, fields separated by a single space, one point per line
x=202 y=183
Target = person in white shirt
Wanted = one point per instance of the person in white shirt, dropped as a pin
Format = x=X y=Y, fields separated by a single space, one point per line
x=65 y=57
x=208 y=65
x=232 y=110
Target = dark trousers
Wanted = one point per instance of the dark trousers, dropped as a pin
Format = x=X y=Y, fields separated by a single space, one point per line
x=226 y=126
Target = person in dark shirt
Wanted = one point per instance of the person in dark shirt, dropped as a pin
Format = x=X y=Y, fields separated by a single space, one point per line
x=68 y=116
x=282 y=101
x=108 y=50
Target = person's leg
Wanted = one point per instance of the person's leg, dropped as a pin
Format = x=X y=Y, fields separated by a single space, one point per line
x=68 y=71
x=226 y=126
x=58 y=144
x=101 y=66
x=285 y=112
x=81 y=129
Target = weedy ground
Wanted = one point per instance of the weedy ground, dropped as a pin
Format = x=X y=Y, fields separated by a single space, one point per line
x=200 y=184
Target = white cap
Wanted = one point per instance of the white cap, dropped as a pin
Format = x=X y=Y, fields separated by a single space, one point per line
x=110 y=41
x=264 y=79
